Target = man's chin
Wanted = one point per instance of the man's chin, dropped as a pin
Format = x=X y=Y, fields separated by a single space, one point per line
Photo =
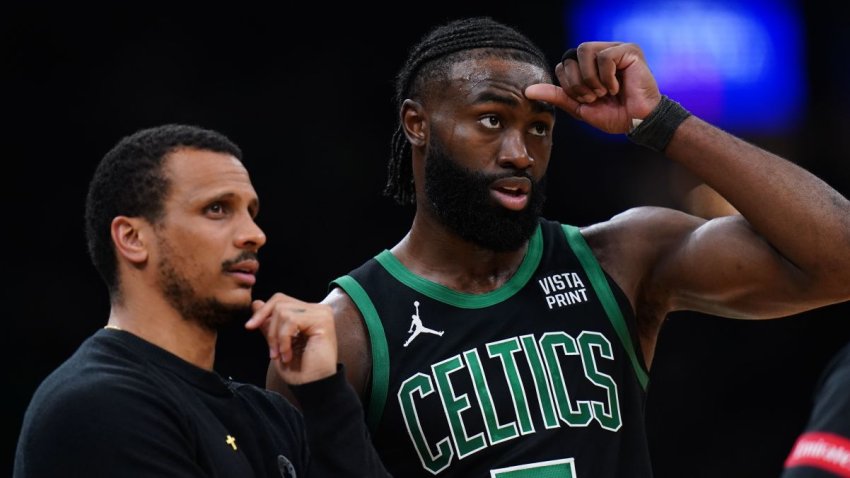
x=236 y=298
x=214 y=314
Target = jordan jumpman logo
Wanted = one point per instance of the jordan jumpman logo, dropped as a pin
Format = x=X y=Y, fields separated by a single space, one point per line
x=417 y=328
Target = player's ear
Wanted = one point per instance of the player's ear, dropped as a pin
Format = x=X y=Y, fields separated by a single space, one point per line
x=130 y=236
x=414 y=122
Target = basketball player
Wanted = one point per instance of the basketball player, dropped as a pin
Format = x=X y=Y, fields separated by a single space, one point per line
x=548 y=329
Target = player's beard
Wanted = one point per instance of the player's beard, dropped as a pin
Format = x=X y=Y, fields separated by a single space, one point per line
x=462 y=202
x=209 y=312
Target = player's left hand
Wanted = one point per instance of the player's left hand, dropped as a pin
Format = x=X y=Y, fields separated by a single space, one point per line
x=607 y=85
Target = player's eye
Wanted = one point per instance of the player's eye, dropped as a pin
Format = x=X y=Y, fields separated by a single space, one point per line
x=490 y=121
x=539 y=129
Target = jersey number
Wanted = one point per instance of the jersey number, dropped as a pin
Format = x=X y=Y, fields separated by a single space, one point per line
x=564 y=468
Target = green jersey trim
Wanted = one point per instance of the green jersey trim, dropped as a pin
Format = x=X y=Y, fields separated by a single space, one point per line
x=380 y=351
x=606 y=296
x=465 y=300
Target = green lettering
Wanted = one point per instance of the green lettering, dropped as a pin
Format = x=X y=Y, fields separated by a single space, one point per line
x=577 y=416
x=505 y=350
x=421 y=385
x=541 y=381
x=454 y=406
x=587 y=341
x=495 y=432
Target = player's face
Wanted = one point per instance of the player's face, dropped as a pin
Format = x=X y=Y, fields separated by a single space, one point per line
x=207 y=241
x=488 y=151
x=463 y=201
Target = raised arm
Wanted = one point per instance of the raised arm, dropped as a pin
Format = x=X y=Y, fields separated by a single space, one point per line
x=788 y=252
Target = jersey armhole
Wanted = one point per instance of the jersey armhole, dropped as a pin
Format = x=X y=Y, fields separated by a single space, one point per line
x=606 y=297
x=380 y=352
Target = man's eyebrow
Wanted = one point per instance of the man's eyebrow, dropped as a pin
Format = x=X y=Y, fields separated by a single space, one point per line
x=490 y=97
x=542 y=107
x=225 y=196
x=222 y=196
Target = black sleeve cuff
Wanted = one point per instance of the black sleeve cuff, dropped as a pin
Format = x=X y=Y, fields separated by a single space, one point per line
x=325 y=394
x=336 y=429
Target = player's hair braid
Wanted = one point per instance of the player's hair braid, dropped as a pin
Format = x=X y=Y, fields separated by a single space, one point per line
x=430 y=59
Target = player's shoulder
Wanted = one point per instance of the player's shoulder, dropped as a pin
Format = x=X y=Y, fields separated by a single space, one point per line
x=628 y=243
x=347 y=315
x=644 y=223
x=342 y=304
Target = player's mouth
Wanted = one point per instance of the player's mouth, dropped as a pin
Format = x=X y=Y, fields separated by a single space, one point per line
x=512 y=192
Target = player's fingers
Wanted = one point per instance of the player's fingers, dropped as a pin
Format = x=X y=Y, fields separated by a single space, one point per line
x=610 y=60
x=589 y=71
x=555 y=96
x=607 y=64
x=570 y=79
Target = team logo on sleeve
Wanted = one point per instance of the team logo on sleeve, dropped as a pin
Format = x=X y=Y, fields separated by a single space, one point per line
x=416 y=327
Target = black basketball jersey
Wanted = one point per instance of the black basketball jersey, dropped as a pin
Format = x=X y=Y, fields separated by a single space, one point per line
x=539 y=378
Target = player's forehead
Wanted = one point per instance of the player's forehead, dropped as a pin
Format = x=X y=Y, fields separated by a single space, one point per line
x=496 y=69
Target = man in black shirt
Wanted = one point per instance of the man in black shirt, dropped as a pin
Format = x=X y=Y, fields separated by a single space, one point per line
x=170 y=227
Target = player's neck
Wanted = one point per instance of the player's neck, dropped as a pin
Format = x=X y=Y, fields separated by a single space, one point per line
x=439 y=255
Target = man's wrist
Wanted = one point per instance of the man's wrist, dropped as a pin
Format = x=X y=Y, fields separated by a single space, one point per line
x=656 y=130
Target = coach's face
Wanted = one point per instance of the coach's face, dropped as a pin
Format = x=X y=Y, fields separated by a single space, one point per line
x=207 y=242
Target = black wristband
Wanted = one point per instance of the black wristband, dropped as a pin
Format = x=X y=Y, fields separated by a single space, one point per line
x=656 y=130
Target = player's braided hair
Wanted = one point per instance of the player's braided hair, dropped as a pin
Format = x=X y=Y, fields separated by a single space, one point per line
x=431 y=59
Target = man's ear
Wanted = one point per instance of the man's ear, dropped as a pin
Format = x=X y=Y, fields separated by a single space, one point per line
x=130 y=236
x=414 y=122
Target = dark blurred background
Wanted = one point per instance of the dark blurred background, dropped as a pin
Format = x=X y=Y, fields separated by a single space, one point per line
x=307 y=93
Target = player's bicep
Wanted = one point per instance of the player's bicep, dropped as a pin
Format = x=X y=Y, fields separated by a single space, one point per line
x=726 y=268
